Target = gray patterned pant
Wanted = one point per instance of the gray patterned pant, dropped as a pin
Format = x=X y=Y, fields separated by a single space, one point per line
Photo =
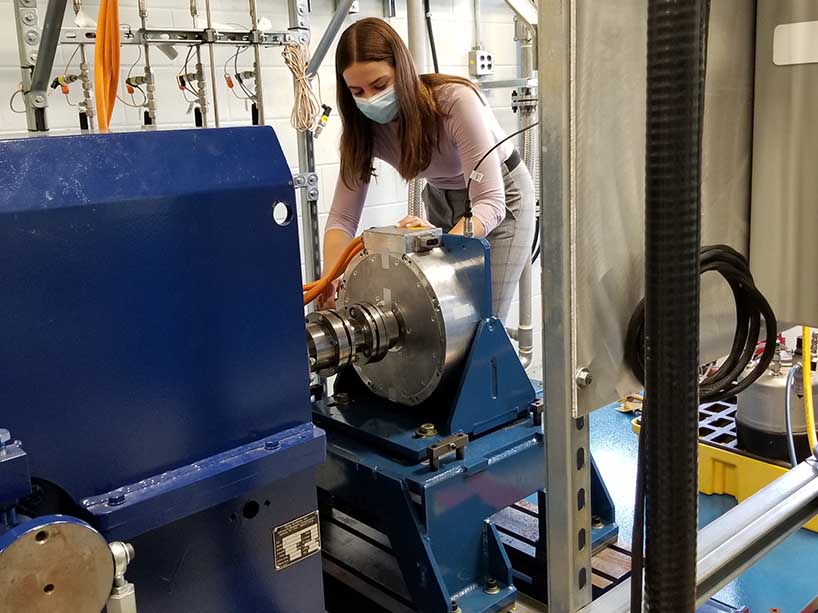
x=510 y=241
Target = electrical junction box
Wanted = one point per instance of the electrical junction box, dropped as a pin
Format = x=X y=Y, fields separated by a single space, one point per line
x=481 y=62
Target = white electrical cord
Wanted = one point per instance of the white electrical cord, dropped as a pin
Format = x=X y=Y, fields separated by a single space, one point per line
x=307 y=107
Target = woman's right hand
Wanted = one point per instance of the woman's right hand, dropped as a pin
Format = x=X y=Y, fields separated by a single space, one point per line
x=327 y=298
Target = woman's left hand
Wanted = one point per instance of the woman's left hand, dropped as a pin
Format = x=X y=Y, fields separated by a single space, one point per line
x=413 y=221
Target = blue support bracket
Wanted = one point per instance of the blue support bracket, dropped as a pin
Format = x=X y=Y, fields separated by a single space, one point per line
x=436 y=520
x=494 y=389
x=159 y=500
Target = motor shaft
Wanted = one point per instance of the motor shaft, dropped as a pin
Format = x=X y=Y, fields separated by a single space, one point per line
x=364 y=334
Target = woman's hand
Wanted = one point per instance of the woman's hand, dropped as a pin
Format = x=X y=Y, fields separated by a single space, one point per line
x=328 y=297
x=413 y=221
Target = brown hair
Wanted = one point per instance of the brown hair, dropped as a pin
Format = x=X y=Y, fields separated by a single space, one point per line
x=420 y=117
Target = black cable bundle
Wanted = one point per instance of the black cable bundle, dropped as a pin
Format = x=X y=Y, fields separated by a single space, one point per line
x=751 y=306
x=468 y=208
x=676 y=52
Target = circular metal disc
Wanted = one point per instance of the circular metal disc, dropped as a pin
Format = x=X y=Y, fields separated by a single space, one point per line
x=423 y=350
x=57 y=566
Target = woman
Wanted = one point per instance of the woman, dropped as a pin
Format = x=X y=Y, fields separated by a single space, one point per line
x=437 y=127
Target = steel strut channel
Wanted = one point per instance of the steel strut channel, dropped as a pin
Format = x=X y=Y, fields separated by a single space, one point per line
x=182 y=36
x=567 y=446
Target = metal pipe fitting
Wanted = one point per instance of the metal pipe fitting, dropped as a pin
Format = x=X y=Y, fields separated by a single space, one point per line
x=123 y=593
x=213 y=81
x=85 y=79
x=201 y=85
x=525 y=329
x=257 y=62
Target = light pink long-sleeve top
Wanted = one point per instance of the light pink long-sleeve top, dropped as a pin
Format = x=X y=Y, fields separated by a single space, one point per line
x=470 y=129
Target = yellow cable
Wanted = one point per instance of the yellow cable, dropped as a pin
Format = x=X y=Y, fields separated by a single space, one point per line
x=806 y=346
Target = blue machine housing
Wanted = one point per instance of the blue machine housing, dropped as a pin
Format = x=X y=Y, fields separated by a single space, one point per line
x=154 y=358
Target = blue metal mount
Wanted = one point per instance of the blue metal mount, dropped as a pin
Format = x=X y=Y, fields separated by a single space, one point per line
x=437 y=521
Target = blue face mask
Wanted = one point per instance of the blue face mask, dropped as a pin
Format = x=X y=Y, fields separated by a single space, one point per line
x=381 y=108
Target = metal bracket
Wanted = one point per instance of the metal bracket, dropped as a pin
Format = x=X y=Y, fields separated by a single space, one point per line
x=455 y=443
x=507 y=83
x=524 y=100
x=209 y=35
x=307 y=181
x=181 y=36
x=537 y=409
x=28 y=40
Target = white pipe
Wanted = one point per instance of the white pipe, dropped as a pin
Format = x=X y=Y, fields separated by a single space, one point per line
x=478 y=35
x=528 y=56
x=418 y=46
x=418 y=42
x=525 y=330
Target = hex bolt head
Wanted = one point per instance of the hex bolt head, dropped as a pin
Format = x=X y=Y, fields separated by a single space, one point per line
x=32 y=36
x=116 y=500
x=597 y=523
x=271 y=445
x=29 y=19
x=426 y=430
x=584 y=378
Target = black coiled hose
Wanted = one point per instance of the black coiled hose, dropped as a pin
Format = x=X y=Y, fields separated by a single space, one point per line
x=751 y=307
x=677 y=40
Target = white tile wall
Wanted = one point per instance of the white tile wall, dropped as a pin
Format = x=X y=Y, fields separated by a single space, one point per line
x=387 y=195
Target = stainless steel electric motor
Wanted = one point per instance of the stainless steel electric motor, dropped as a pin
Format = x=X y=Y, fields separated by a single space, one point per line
x=408 y=311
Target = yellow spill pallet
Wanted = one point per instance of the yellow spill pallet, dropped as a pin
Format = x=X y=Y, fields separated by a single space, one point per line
x=724 y=471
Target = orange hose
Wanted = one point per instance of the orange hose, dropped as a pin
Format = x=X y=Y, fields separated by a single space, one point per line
x=106 y=62
x=316 y=288
x=347 y=262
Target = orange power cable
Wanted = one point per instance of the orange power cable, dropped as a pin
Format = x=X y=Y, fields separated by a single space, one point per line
x=314 y=289
x=106 y=62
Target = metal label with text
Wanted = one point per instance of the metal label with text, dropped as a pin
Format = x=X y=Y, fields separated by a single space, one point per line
x=296 y=540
